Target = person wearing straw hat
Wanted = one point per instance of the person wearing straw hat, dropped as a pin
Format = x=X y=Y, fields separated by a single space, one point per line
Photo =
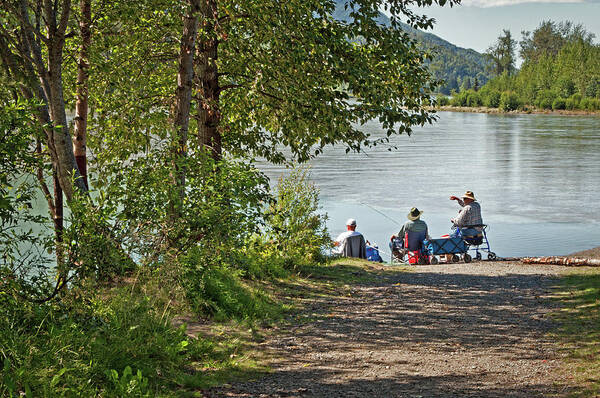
x=414 y=224
x=470 y=214
x=351 y=243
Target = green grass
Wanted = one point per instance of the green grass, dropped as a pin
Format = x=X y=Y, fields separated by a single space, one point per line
x=579 y=332
x=120 y=340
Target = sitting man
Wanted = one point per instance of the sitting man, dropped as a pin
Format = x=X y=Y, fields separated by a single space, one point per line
x=417 y=228
x=470 y=214
x=351 y=243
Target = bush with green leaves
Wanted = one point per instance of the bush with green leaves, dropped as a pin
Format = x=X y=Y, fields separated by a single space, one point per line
x=589 y=104
x=71 y=347
x=214 y=286
x=559 y=104
x=509 y=101
x=491 y=99
x=442 y=100
x=473 y=99
x=459 y=99
x=295 y=227
x=565 y=87
x=545 y=99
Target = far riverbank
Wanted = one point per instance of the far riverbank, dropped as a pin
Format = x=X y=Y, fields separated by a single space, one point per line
x=483 y=109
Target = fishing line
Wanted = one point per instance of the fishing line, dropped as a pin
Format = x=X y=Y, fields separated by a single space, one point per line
x=383 y=214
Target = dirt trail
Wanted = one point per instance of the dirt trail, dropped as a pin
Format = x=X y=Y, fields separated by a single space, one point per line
x=440 y=331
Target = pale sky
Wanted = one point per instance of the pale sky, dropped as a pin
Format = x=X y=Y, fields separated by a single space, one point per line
x=477 y=24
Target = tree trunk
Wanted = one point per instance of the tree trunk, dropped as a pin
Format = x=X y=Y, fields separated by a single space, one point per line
x=68 y=172
x=209 y=116
x=58 y=219
x=183 y=93
x=81 y=105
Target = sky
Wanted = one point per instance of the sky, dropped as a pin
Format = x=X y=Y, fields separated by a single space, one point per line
x=477 y=24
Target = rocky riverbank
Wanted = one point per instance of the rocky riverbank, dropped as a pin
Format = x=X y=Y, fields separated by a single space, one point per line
x=483 y=109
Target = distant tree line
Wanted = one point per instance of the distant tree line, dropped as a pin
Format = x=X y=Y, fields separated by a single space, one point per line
x=560 y=70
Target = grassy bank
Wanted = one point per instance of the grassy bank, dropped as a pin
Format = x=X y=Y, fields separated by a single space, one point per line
x=238 y=354
x=579 y=332
x=133 y=338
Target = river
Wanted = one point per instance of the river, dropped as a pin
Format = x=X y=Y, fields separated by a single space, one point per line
x=537 y=178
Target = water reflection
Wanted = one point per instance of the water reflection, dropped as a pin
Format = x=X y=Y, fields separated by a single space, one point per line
x=536 y=177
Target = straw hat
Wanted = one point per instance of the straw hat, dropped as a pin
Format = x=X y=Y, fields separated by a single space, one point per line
x=351 y=222
x=414 y=214
x=469 y=195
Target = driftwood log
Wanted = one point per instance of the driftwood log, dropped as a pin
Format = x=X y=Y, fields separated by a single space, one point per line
x=568 y=261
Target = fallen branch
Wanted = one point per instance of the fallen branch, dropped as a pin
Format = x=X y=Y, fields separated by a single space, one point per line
x=568 y=261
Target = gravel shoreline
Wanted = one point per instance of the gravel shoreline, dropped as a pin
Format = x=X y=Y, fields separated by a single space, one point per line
x=457 y=330
x=591 y=253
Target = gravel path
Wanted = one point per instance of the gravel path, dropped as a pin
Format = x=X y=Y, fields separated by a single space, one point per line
x=476 y=330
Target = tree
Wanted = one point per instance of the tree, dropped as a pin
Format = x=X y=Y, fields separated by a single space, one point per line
x=81 y=104
x=549 y=38
x=502 y=54
x=164 y=81
x=32 y=39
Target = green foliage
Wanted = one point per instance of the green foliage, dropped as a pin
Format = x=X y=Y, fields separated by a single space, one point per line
x=128 y=384
x=549 y=38
x=450 y=65
x=474 y=99
x=214 y=288
x=565 y=87
x=593 y=88
x=502 y=54
x=545 y=99
x=294 y=225
x=222 y=207
x=509 y=101
x=491 y=98
x=573 y=102
x=589 y=104
x=458 y=99
x=559 y=103
x=561 y=62
x=579 y=327
x=442 y=100
x=72 y=348
x=24 y=235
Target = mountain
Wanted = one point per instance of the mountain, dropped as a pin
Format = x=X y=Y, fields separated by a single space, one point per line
x=456 y=66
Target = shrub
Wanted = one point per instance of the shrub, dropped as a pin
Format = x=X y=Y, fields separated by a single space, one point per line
x=473 y=99
x=545 y=98
x=459 y=99
x=214 y=288
x=593 y=104
x=559 y=103
x=565 y=87
x=294 y=224
x=573 y=102
x=585 y=103
x=509 y=101
x=593 y=88
x=442 y=100
x=74 y=348
x=492 y=99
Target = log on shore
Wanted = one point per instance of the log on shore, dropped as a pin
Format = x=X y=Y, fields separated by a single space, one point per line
x=568 y=261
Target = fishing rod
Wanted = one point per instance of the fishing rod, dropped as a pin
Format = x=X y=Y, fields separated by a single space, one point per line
x=383 y=214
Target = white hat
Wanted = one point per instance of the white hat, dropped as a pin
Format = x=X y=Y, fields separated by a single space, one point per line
x=351 y=221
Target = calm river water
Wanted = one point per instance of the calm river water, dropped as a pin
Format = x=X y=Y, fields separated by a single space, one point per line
x=537 y=178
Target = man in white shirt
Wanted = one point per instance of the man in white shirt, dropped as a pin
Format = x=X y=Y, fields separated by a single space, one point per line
x=351 y=243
